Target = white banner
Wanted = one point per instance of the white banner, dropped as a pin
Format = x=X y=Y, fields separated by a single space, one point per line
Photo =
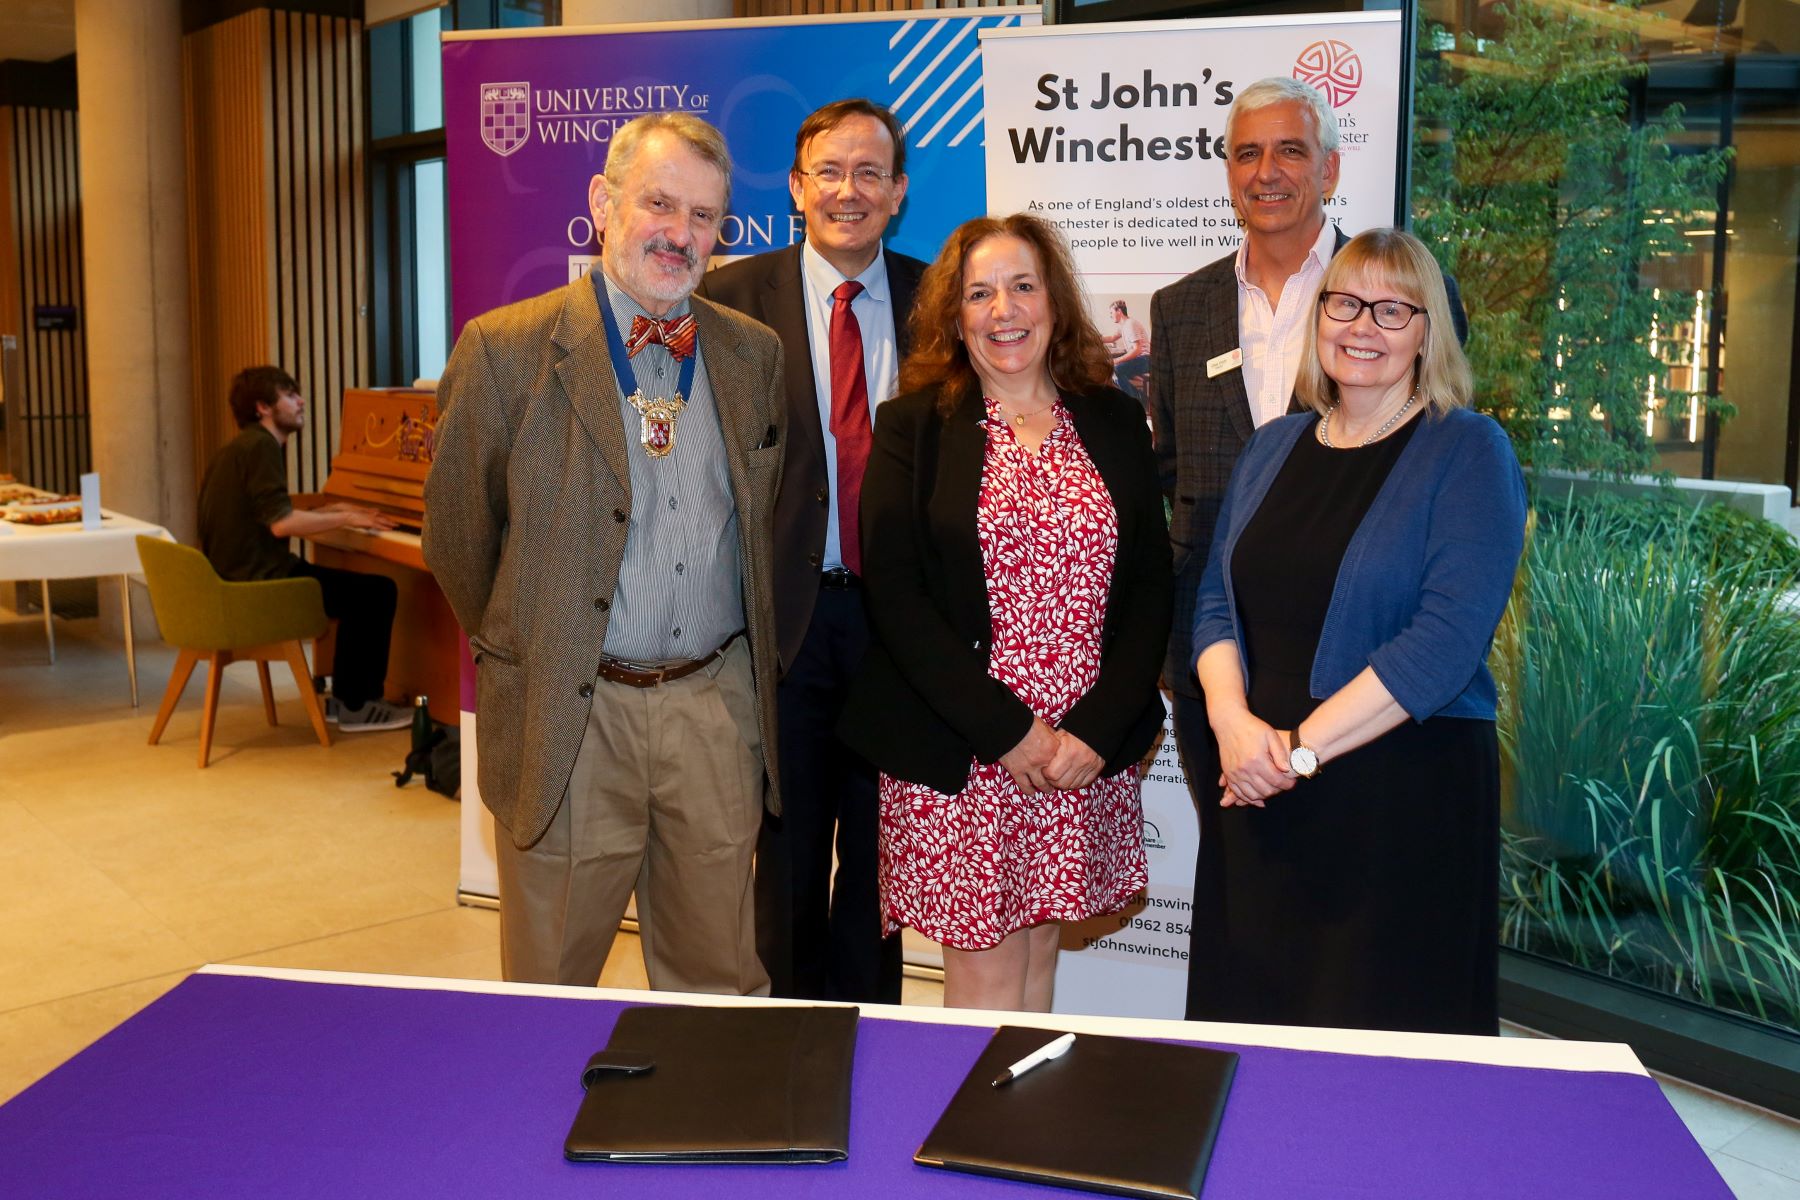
x=1116 y=133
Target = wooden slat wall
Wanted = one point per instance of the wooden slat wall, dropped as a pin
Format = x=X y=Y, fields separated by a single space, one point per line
x=230 y=244
x=51 y=421
x=9 y=252
x=321 y=225
x=276 y=158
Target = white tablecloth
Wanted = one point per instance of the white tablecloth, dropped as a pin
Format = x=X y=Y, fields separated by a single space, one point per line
x=71 y=552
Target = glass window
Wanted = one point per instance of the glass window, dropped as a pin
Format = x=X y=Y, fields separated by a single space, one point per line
x=410 y=318
x=426 y=69
x=1614 y=186
x=431 y=290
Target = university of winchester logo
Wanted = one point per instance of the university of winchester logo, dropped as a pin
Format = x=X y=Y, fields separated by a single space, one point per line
x=1332 y=67
x=505 y=116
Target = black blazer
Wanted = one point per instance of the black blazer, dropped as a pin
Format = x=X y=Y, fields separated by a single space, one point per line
x=924 y=703
x=768 y=288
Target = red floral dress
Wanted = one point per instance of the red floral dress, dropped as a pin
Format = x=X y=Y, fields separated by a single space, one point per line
x=969 y=869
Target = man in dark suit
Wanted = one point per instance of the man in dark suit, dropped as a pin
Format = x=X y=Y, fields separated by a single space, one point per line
x=1225 y=347
x=598 y=515
x=840 y=303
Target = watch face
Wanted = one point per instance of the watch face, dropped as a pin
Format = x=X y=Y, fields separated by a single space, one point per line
x=1303 y=761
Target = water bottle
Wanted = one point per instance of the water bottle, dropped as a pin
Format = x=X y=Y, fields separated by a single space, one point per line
x=421 y=725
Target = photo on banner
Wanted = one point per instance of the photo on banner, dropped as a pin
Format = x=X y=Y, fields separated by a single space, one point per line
x=1115 y=133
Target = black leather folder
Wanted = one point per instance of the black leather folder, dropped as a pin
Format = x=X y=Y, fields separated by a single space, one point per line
x=1118 y=1115
x=737 y=1085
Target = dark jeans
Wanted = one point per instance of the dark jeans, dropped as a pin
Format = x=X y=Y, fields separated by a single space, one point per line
x=820 y=938
x=363 y=606
x=1127 y=369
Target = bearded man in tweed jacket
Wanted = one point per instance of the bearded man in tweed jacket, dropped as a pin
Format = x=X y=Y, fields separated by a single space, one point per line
x=598 y=515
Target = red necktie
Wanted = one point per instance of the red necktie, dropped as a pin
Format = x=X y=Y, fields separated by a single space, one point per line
x=849 y=419
x=677 y=335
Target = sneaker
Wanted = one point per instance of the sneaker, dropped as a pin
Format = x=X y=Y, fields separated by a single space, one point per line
x=373 y=717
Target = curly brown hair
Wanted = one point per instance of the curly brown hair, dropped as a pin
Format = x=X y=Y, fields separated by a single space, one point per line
x=1077 y=357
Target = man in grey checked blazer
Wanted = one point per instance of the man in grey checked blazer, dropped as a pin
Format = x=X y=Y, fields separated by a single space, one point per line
x=1225 y=344
x=619 y=600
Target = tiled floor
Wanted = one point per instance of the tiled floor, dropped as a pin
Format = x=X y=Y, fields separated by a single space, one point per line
x=125 y=867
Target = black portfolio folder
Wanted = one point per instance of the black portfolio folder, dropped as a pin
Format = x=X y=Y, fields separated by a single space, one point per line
x=679 y=1084
x=1112 y=1114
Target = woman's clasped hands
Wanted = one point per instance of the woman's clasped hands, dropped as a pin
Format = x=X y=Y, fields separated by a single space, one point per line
x=1253 y=757
x=1049 y=759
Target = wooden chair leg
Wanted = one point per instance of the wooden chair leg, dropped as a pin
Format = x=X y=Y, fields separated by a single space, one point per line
x=178 y=681
x=211 y=711
x=262 y=674
x=296 y=657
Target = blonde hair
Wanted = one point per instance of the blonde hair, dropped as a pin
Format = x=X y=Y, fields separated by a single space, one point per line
x=1396 y=260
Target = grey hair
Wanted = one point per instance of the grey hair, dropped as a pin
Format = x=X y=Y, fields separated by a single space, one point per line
x=1278 y=89
x=693 y=132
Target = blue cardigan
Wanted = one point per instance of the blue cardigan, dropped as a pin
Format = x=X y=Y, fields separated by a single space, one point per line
x=1425 y=578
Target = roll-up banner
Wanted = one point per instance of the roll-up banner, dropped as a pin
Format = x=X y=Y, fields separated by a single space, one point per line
x=528 y=117
x=1116 y=134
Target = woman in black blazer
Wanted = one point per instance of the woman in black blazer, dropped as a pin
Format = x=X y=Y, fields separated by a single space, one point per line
x=1016 y=563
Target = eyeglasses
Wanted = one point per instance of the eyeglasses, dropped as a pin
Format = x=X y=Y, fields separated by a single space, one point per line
x=864 y=178
x=1389 y=314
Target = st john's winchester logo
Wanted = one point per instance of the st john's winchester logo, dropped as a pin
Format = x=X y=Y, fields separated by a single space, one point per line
x=505 y=116
x=1332 y=67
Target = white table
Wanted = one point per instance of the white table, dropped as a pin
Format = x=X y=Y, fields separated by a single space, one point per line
x=46 y=552
x=287 y=1085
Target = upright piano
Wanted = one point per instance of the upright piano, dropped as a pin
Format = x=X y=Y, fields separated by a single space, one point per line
x=385 y=441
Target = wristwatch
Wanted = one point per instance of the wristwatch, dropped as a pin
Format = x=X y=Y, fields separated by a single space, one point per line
x=1301 y=759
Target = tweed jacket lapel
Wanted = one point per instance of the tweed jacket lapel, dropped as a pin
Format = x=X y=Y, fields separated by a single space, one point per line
x=729 y=372
x=586 y=372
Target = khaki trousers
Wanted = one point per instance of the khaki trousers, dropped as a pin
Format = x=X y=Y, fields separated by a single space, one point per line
x=666 y=798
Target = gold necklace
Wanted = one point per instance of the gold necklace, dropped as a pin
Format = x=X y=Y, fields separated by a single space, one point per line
x=1019 y=419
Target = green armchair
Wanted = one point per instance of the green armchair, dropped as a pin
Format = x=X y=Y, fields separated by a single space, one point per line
x=203 y=616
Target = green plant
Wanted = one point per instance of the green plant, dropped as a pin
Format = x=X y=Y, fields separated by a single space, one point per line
x=1650 y=725
x=1546 y=200
x=1729 y=536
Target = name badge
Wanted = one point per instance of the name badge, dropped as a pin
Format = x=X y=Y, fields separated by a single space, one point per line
x=1221 y=363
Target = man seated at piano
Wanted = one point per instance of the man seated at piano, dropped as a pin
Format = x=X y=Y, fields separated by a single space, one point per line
x=246 y=519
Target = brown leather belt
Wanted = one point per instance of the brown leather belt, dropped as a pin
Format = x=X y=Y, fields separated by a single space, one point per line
x=642 y=675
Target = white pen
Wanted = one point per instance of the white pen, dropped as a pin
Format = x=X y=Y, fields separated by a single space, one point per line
x=1036 y=1058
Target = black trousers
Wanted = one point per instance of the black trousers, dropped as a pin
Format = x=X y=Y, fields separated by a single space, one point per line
x=1200 y=763
x=363 y=606
x=820 y=938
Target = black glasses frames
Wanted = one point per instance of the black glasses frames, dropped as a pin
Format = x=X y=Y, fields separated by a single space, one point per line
x=1388 y=314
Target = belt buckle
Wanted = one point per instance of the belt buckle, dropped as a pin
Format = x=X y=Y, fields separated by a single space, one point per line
x=625 y=666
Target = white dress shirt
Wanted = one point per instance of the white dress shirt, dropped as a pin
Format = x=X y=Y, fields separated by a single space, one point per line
x=1272 y=337
x=873 y=308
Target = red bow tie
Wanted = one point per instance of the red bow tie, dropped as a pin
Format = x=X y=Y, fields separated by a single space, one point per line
x=677 y=335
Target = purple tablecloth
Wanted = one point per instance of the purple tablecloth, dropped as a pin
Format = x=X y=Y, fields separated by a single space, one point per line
x=233 y=1086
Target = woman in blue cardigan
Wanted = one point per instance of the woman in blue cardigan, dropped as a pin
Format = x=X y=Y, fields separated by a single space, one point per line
x=1363 y=557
